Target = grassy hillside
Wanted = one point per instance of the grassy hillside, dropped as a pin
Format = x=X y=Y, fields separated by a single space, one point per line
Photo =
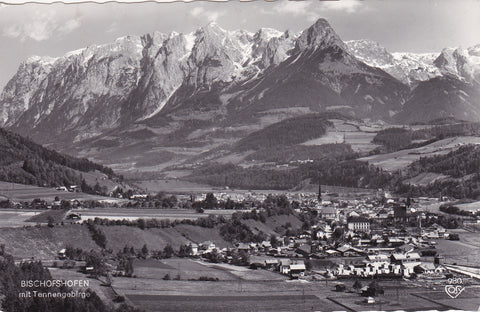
x=56 y=215
x=199 y=235
x=459 y=171
x=281 y=154
x=350 y=173
x=156 y=239
x=394 y=139
x=44 y=242
x=288 y=132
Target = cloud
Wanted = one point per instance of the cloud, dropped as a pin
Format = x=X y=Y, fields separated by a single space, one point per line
x=348 y=6
x=310 y=10
x=41 y=27
x=209 y=15
x=112 y=28
x=293 y=7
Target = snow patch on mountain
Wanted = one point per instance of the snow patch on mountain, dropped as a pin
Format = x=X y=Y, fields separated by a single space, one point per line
x=412 y=68
x=406 y=67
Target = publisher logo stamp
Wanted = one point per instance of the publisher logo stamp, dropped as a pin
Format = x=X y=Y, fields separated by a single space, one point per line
x=454 y=287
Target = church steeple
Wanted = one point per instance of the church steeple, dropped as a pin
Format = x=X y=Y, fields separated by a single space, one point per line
x=319 y=196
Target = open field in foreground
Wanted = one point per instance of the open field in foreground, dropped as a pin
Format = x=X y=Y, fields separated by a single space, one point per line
x=188 y=269
x=16 y=217
x=243 y=289
x=232 y=303
x=249 y=295
x=22 y=192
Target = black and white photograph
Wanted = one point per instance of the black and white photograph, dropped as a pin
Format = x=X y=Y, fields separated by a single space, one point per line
x=316 y=155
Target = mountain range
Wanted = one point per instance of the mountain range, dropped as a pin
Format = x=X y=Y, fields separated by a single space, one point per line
x=154 y=99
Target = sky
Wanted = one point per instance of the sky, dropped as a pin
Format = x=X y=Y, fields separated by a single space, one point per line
x=399 y=25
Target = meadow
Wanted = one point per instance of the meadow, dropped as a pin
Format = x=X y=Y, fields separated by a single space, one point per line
x=16 y=218
x=137 y=213
x=22 y=192
x=149 y=290
x=359 y=137
x=401 y=159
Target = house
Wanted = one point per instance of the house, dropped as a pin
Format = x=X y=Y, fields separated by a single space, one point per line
x=265 y=246
x=328 y=213
x=73 y=188
x=293 y=268
x=399 y=258
x=395 y=241
x=304 y=249
x=257 y=261
x=62 y=254
x=139 y=196
x=73 y=216
x=428 y=268
x=194 y=249
x=323 y=231
x=359 y=224
x=382 y=215
x=405 y=263
x=285 y=266
x=349 y=251
x=271 y=263
x=208 y=246
x=405 y=248
x=332 y=252
x=433 y=231
x=243 y=247
x=380 y=258
x=297 y=269
x=377 y=264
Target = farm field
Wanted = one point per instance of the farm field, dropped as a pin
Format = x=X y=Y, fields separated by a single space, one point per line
x=188 y=269
x=224 y=295
x=466 y=251
x=232 y=303
x=134 y=213
x=424 y=179
x=473 y=207
x=360 y=138
x=16 y=217
x=401 y=159
x=287 y=295
x=22 y=192
x=468 y=300
x=407 y=299
x=172 y=185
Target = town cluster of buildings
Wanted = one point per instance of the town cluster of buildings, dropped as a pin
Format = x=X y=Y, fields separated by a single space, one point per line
x=360 y=238
x=396 y=253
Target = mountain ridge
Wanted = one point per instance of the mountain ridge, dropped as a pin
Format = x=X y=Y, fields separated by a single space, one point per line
x=209 y=88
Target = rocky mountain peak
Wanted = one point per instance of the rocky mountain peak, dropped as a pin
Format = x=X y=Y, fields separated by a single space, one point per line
x=370 y=52
x=88 y=92
x=319 y=36
x=457 y=62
